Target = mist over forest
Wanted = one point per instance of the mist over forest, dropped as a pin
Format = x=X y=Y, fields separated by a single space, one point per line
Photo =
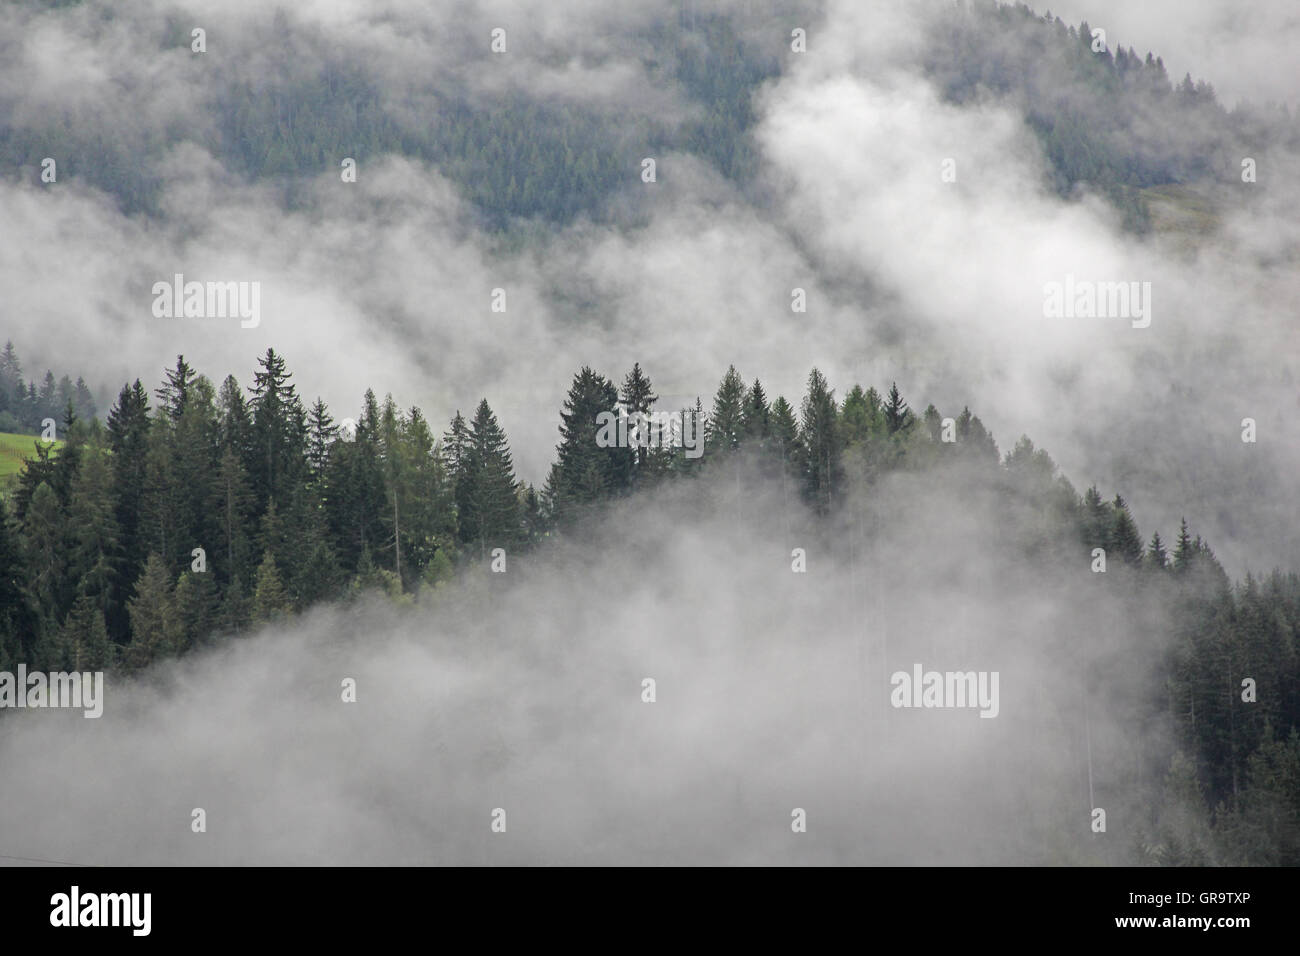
x=361 y=568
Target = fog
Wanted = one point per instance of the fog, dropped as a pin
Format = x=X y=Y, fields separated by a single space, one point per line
x=386 y=283
x=523 y=691
x=772 y=686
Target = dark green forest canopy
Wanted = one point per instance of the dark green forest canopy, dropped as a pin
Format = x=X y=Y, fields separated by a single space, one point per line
x=1112 y=121
x=197 y=512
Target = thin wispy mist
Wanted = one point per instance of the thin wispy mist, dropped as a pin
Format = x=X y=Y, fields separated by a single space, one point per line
x=524 y=691
x=387 y=282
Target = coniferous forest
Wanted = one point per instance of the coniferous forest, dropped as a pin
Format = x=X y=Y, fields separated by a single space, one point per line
x=815 y=236
x=101 y=541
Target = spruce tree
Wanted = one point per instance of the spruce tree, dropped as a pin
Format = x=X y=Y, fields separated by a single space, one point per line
x=85 y=637
x=322 y=433
x=155 y=625
x=489 y=512
x=279 y=432
x=45 y=538
x=638 y=398
x=756 y=419
x=270 y=600
x=198 y=608
x=820 y=444
x=173 y=395
x=897 y=415
x=856 y=417
x=1184 y=553
x=1096 y=520
x=725 y=427
x=785 y=432
x=585 y=472
x=1157 y=558
x=1125 y=540
x=17 y=616
x=128 y=439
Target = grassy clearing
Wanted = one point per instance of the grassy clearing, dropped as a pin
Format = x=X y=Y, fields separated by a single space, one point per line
x=14 y=450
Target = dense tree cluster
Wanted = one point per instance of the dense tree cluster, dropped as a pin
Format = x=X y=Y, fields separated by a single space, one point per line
x=24 y=406
x=1107 y=118
x=99 y=568
x=516 y=156
x=1112 y=120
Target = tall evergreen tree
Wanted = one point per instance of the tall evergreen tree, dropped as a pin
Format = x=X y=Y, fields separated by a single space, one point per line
x=785 y=432
x=821 y=445
x=322 y=433
x=1157 y=558
x=17 y=616
x=638 y=398
x=128 y=440
x=488 y=495
x=155 y=625
x=756 y=419
x=897 y=415
x=270 y=599
x=584 y=471
x=1125 y=539
x=726 y=424
x=1183 y=550
x=279 y=432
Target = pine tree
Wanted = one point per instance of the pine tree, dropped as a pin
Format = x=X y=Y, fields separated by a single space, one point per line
x=785 y=432
x=322 y=433
x=897 y=415
x=128 y=438
x=45 y=538
x=725 y=427
x=820 y=441
x=974 y=439
x=638 y=398
x=423 y=496
x=856 y=417
x=94 y=555
x=585 y=472
x=174 y=393
x=270 y=600
x=155 y=625
x=85 y=637
x=47 y=403
x=84 y=401
x=489 y=503
x=198 y=608
x=320 y=578
x=1157 y=558
x=279 y=432
x=1096 y=520
x=1184 y=553
x=1125 y=540
x=11 y=372
x=357 y=499
x=17 y=616
x=236 y=422
x=455 y=444
x=231 y=506
x=756 y=420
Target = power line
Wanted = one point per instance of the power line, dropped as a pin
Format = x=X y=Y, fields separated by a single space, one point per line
x=32 y=859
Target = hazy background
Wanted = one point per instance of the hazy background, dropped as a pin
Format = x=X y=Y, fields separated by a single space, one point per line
x=772 y=686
